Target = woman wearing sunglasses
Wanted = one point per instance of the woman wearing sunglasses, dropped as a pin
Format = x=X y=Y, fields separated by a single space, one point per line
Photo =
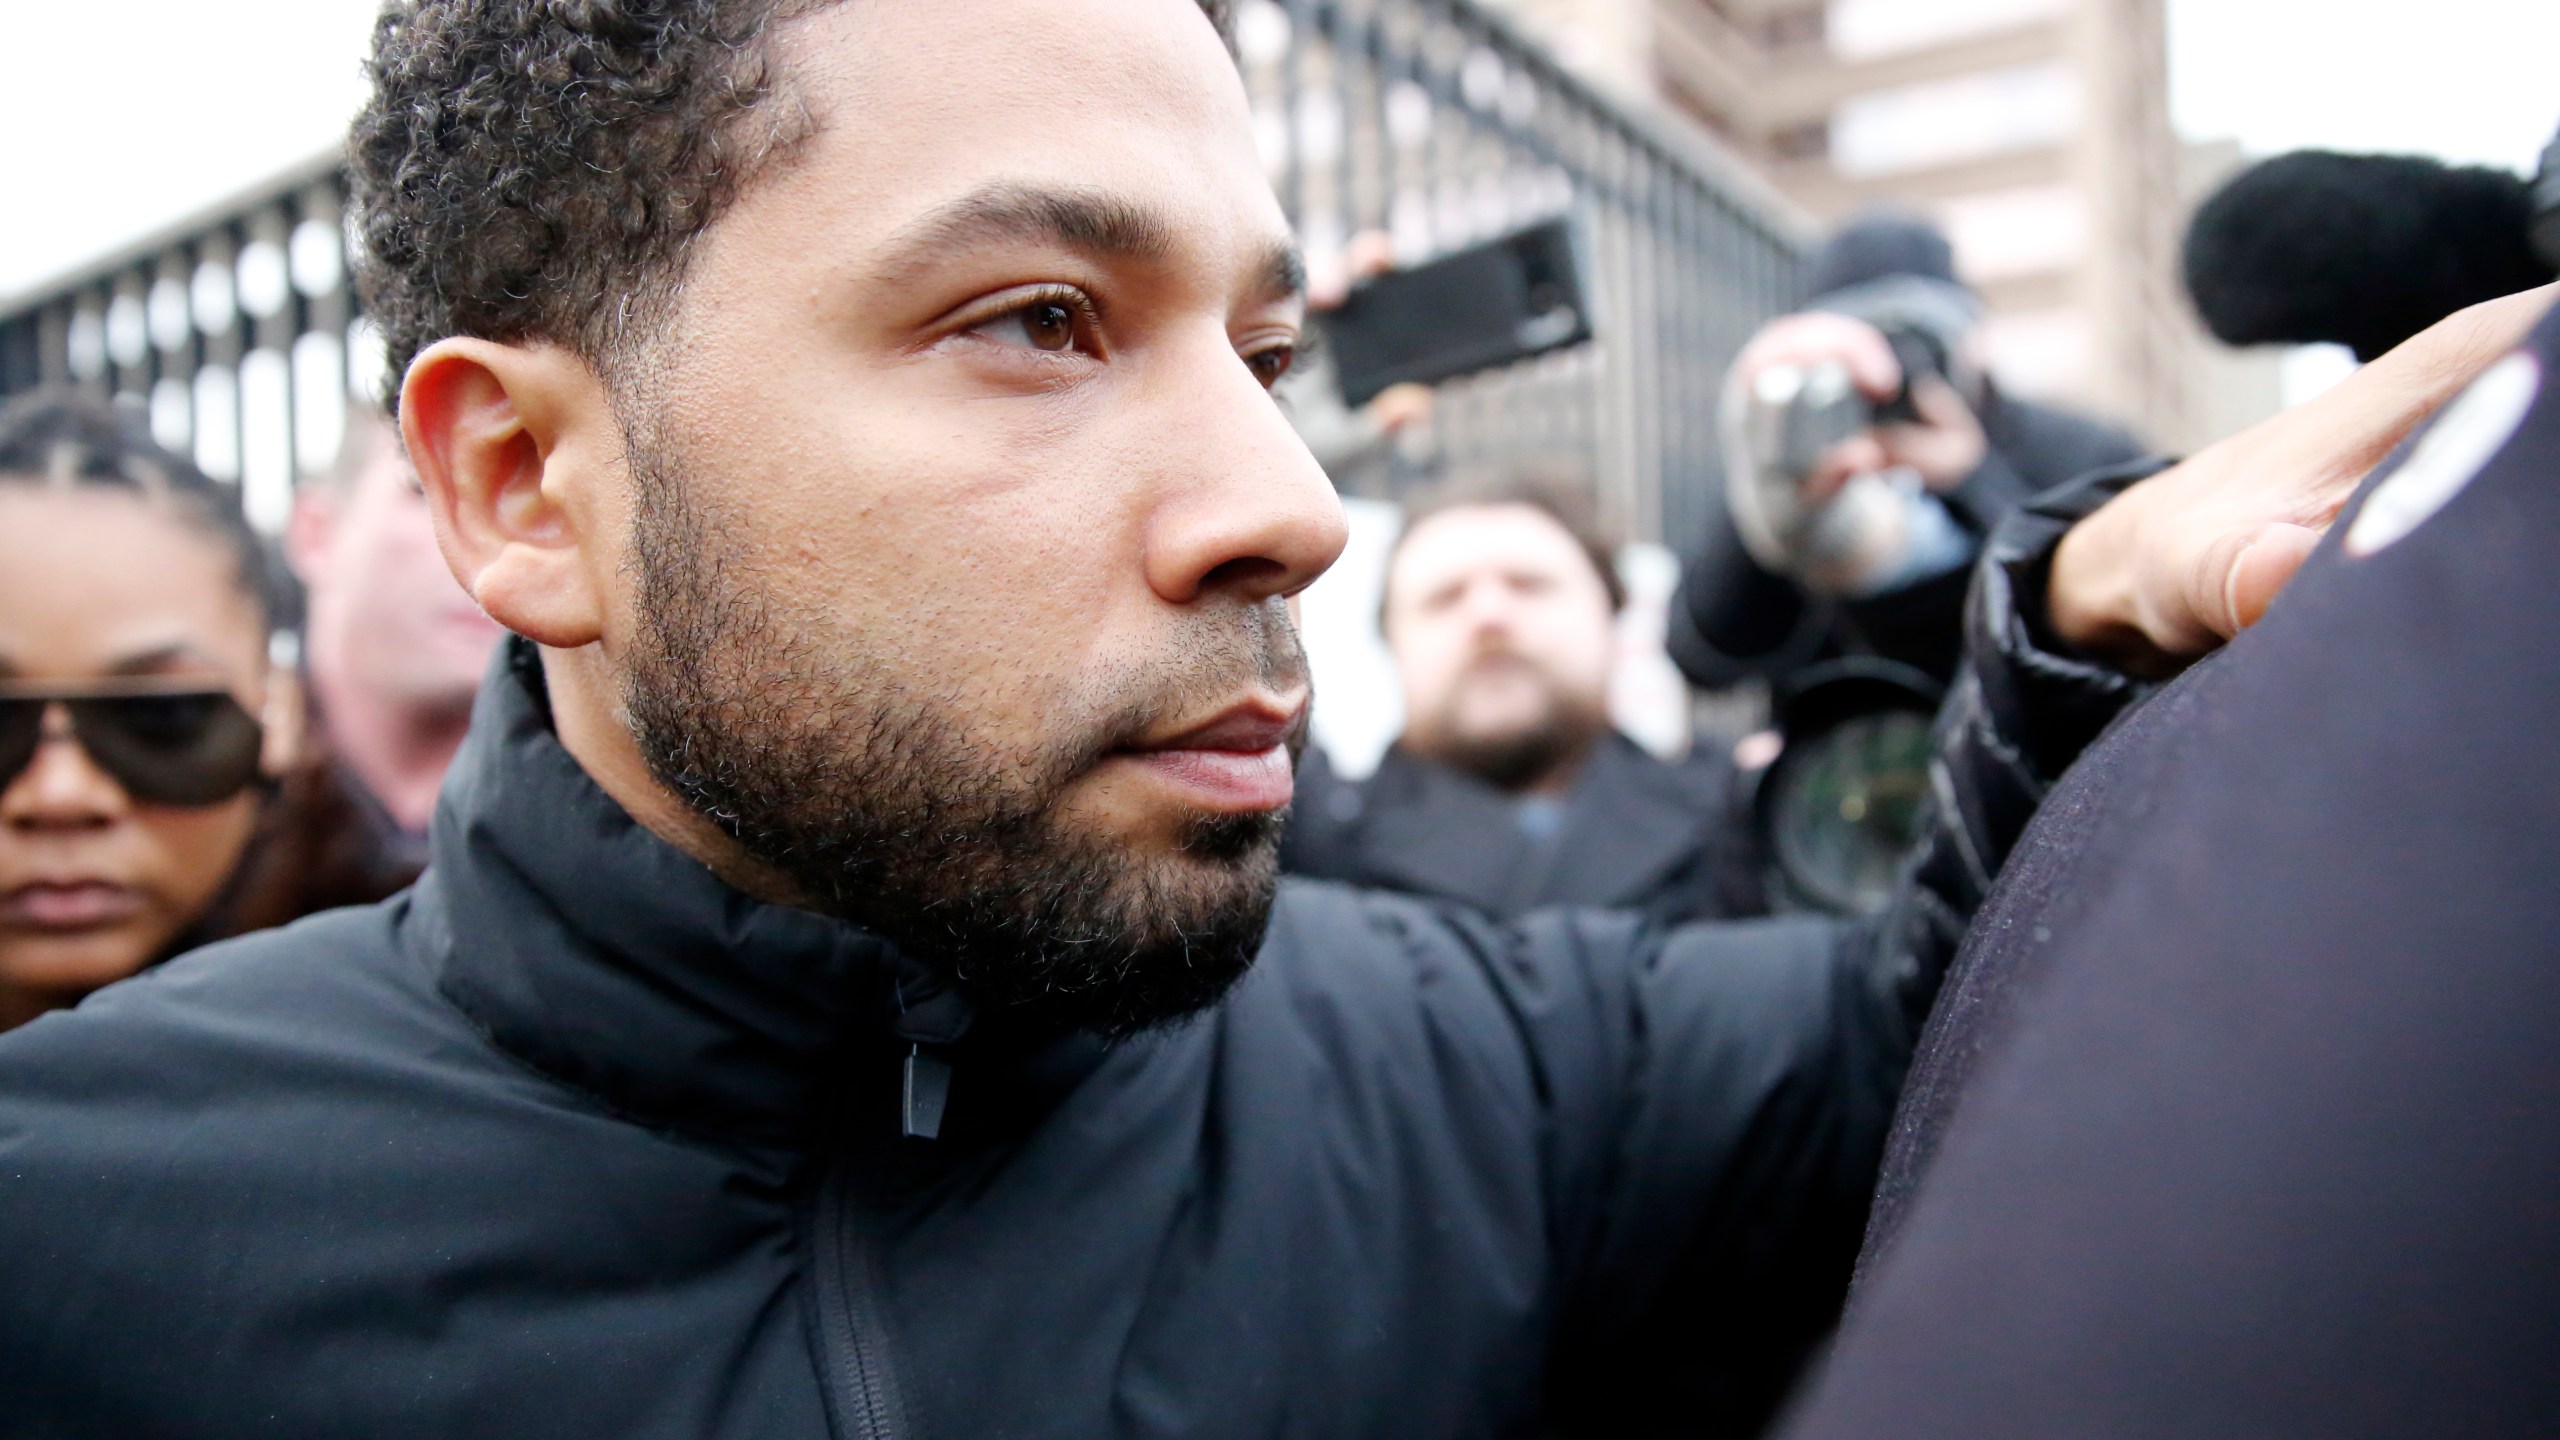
x=141 y=724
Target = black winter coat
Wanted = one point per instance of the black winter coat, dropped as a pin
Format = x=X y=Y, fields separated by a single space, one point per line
x=2241 y=1117
x=1733 y=620
x=574 y=1140
x=1636 y=833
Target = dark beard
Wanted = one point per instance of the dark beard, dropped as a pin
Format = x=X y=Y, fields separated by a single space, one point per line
x=1516 y=759
x=845 y=778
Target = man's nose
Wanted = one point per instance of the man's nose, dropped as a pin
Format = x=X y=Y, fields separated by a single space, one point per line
x=61 y=788
x=1492 y=611
x=1245 y=510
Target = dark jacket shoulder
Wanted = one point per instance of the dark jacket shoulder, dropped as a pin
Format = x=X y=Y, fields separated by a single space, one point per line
x=1669 y=838
x=282 y=1154
x=2248 y=1125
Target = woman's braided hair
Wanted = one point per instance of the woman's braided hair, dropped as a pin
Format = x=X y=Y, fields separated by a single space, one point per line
x=61 y=440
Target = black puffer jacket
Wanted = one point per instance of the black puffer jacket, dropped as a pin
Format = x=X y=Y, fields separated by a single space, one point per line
x=574 y=1140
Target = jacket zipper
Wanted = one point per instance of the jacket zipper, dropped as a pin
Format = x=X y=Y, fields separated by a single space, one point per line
x=863 y=1395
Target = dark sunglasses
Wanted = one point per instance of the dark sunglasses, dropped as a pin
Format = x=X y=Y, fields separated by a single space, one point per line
x=165 y=747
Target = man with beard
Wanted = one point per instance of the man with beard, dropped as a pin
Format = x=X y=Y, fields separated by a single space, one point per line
x=859 y=415
x=1509 y=788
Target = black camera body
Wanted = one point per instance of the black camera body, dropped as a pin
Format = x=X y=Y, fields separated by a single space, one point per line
x=1825 y=409
x=1923 y=320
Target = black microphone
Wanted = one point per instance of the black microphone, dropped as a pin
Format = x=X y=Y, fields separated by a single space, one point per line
x=2362 y=250
x=2546 y=205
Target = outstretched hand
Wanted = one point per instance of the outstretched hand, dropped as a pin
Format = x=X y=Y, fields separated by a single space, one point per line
x=2182 y=562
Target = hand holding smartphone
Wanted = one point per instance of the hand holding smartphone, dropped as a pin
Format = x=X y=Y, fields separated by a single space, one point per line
x=1476 y=309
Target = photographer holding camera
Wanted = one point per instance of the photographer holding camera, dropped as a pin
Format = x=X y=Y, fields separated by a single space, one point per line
x=1867 y=455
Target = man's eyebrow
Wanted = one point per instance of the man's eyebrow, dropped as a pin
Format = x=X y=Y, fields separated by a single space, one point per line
x=1088 y=221
x=1085 y=220
x=1284 y=271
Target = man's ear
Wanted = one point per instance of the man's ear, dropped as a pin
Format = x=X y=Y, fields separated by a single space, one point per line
x=284 y=721
x=309 y=528
x=492 y=430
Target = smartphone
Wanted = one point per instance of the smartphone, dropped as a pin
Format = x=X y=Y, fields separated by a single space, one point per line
x=1476 y=309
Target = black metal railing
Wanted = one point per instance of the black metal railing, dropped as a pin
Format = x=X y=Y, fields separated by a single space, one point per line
x=1439 y=123
x=237 y=329
x=1434 y=121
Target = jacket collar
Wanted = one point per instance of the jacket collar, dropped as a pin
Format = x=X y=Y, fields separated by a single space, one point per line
x=1629 y=820
x=588 y=947
x=1437 y=830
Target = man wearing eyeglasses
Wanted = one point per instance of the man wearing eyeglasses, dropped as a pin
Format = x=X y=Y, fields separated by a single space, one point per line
x=850 y=993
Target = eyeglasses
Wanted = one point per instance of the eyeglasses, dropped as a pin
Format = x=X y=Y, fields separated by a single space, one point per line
x=165 y=747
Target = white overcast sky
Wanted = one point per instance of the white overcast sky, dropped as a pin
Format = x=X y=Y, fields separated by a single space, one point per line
x=122 y=115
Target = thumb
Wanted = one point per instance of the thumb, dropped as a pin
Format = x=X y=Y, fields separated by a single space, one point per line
x=1860 y=454
x=1938 y=402
x=2263 y=567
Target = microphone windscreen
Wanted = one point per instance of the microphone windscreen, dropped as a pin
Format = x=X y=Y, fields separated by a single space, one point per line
x=2358 y=250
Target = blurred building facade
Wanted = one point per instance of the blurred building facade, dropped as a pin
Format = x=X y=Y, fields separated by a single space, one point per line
x=2035 y=131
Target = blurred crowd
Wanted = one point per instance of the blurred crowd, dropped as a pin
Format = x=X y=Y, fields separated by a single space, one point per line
x=348 y=664
x=207 y=732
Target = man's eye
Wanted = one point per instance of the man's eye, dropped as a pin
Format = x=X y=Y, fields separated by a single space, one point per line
x=1269 y=365
x=1047 y=325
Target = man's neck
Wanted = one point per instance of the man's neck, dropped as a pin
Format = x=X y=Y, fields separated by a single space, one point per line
x=398 y=752
x=591 y=729
x=1553 y=781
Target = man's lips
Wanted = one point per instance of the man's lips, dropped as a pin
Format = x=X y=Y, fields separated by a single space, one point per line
x=68 y=905
x=1237 y=761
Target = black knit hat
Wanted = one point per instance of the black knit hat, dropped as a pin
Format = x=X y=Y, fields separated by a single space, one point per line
x=1879 y=244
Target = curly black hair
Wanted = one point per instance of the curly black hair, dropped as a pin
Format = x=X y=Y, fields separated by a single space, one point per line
x=539 y=168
